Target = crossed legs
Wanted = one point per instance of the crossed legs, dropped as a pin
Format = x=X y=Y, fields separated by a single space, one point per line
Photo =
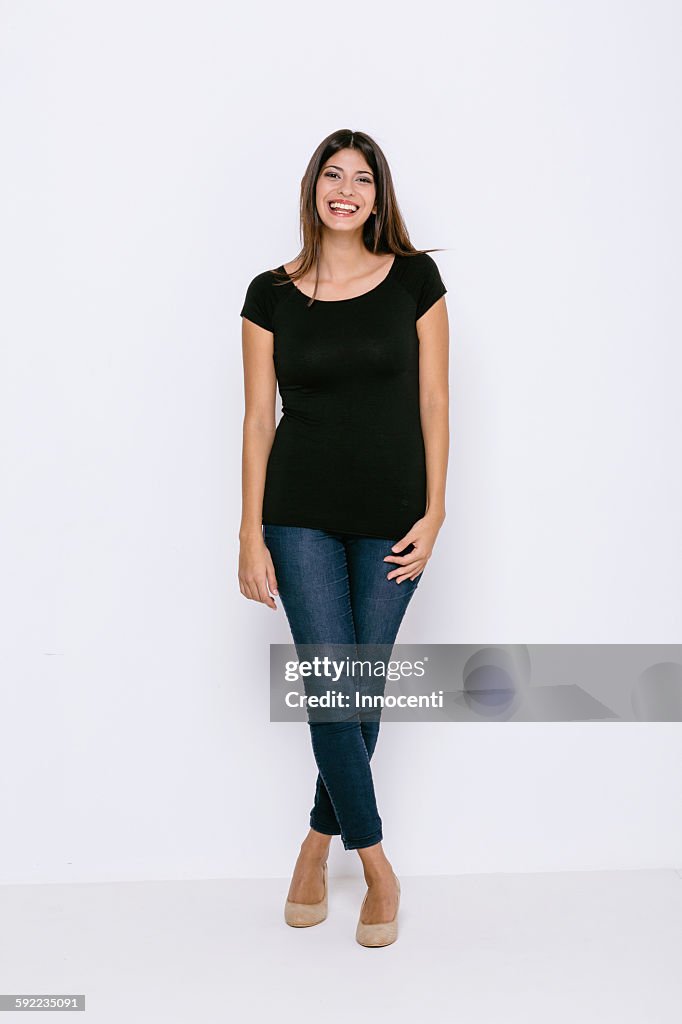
x=334 y=591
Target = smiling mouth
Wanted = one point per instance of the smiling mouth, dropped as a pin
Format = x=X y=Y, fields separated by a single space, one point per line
x=340 y=209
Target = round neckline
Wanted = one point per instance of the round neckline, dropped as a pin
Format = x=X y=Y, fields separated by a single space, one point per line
x=353 y=298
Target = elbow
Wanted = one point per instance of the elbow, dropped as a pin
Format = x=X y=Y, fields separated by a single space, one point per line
x=259 y=423
x=436 y=402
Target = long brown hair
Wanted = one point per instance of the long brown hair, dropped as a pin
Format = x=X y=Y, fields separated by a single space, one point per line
x=383 y=232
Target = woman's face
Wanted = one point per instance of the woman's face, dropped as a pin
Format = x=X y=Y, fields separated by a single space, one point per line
x=346 y=179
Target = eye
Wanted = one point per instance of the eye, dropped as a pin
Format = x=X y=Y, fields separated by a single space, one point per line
x=335 y=174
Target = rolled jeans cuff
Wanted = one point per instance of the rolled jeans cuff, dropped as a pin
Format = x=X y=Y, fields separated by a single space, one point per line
x=360 y=844
x=325 y=829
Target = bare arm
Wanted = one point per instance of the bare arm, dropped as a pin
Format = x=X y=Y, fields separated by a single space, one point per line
x=258 y=432
x=434 y=406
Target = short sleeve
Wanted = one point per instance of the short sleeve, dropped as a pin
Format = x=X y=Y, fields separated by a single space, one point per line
x=259 y=302
x=432 y=286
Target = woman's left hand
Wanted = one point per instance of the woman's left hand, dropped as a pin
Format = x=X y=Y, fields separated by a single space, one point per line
x=423 y=536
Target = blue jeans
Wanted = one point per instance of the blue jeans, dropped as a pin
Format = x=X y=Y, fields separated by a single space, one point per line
x=334 y=590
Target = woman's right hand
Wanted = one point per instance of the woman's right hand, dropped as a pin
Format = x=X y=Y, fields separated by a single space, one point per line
x=256 y=571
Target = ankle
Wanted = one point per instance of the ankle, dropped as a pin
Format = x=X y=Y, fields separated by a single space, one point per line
x=378 y=874
x=315 y=847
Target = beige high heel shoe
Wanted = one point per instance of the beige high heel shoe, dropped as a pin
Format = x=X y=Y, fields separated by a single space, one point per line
x=382 y=934
x=303 y=915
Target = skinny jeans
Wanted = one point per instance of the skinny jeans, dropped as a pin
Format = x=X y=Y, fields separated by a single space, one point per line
x=334 y=591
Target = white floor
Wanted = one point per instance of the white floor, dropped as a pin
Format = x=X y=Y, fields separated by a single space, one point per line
x=579 y=948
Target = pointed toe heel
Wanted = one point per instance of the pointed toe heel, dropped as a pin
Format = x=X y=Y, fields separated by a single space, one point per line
x=382 y=934
x=303 y=915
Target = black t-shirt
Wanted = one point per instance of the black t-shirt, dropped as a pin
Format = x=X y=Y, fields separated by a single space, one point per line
x=348 y=453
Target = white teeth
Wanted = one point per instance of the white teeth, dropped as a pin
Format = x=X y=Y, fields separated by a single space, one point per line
x=343 y=206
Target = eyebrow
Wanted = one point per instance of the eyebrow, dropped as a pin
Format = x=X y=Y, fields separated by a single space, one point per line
x=337 y=168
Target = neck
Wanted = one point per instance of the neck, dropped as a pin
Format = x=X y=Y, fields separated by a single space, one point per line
x=342 y=255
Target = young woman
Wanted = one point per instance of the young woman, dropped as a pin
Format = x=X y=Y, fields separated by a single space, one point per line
x=343 y=501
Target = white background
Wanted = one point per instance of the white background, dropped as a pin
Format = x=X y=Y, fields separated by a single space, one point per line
x=152 y=154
